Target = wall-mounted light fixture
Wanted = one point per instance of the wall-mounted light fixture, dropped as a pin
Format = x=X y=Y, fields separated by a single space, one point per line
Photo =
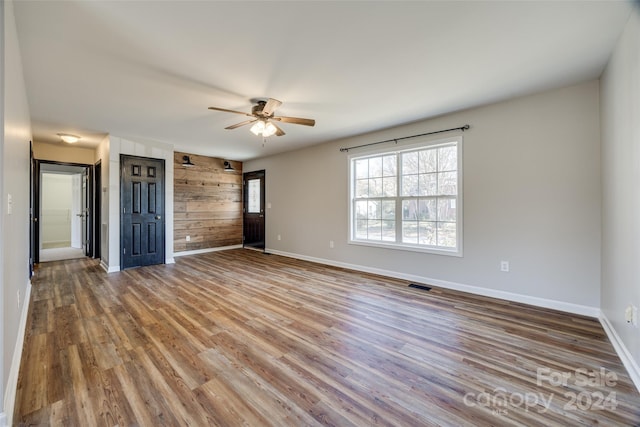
x=186 y=162
x=228 y=167
x=69 y=139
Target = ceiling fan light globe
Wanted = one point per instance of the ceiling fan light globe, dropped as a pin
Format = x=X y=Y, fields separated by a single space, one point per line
x=269 y=129
x=258 y=128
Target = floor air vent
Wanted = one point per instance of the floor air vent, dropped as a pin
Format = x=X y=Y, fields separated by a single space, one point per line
x=423 y=287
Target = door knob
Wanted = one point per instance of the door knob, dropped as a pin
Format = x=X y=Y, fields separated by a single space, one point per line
x=158 y=217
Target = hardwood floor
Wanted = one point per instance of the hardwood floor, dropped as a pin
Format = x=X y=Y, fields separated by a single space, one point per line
x=244 y=338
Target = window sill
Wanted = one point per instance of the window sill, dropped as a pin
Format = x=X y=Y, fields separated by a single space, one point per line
x=410 y=248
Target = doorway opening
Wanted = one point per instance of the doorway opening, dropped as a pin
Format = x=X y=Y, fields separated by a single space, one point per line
x=63 y=211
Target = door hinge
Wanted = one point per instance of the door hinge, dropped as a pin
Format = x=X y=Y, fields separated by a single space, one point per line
x=124 y=210
x=124 y=250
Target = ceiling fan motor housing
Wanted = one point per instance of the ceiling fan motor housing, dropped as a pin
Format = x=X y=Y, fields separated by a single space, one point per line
x=257 y=109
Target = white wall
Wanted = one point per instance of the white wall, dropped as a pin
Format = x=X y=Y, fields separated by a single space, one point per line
x=531 y=196
x=14 y=241
x=156 y=150
x=620 y=88
x=3 y=319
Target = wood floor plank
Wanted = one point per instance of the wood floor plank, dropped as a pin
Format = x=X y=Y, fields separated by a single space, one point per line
x=242 y=338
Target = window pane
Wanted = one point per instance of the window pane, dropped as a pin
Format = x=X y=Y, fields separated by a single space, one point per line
x=410 y=232
x=428 y=161
x=362 y=188
x=427 y=209
x=410 y=185
x=410 y=210
x=361 y=229
x=427 y=233
x=375 y=167
x=389 y=165
x=446 y=209
x=362 y=168
x=389 y=231
x=447 y=234
x=447 y=158
x=375 y=211
x=410 y=163
x=361 y=209
x=375 y=230
x=428 y=184
x=448 y=183
x=389 y=209
x=389 y=187
x=253 y=194
x=375 y=187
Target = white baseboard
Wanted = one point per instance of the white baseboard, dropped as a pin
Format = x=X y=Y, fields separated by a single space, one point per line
x=12 y=381
x=52 y=244
x=109 y=268
x=627 y=359
x=204 y=251
x=509 y=296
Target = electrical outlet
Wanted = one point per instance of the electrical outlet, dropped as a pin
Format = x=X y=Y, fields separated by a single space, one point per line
x=504 y=266
x=18 y=298
x=279 y=237
x=188 y=238
x=331 y=244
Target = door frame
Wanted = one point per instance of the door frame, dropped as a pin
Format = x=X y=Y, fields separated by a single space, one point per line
x=97 y=209
x=36 y=192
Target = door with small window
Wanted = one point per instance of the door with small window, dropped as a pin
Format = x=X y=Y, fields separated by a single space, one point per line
x=253 y=210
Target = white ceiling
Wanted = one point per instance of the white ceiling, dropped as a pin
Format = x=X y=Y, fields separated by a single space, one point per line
x=149 y=69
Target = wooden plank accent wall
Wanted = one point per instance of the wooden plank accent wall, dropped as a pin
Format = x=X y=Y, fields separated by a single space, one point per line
x=207 y=203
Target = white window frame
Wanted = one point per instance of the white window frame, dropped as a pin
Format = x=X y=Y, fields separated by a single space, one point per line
x=398 y=244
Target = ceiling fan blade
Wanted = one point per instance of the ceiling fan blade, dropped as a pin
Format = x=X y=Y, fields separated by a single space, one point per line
x=271 y=106
x=295 y=120
x=237 y=125
x=279 y=131
x=230 y=111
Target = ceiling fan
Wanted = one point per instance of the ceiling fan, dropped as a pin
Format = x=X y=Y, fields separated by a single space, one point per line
x=263 y=118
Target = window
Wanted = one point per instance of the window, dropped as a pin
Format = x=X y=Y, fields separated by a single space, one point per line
x=409 y=198
x=253 y=196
